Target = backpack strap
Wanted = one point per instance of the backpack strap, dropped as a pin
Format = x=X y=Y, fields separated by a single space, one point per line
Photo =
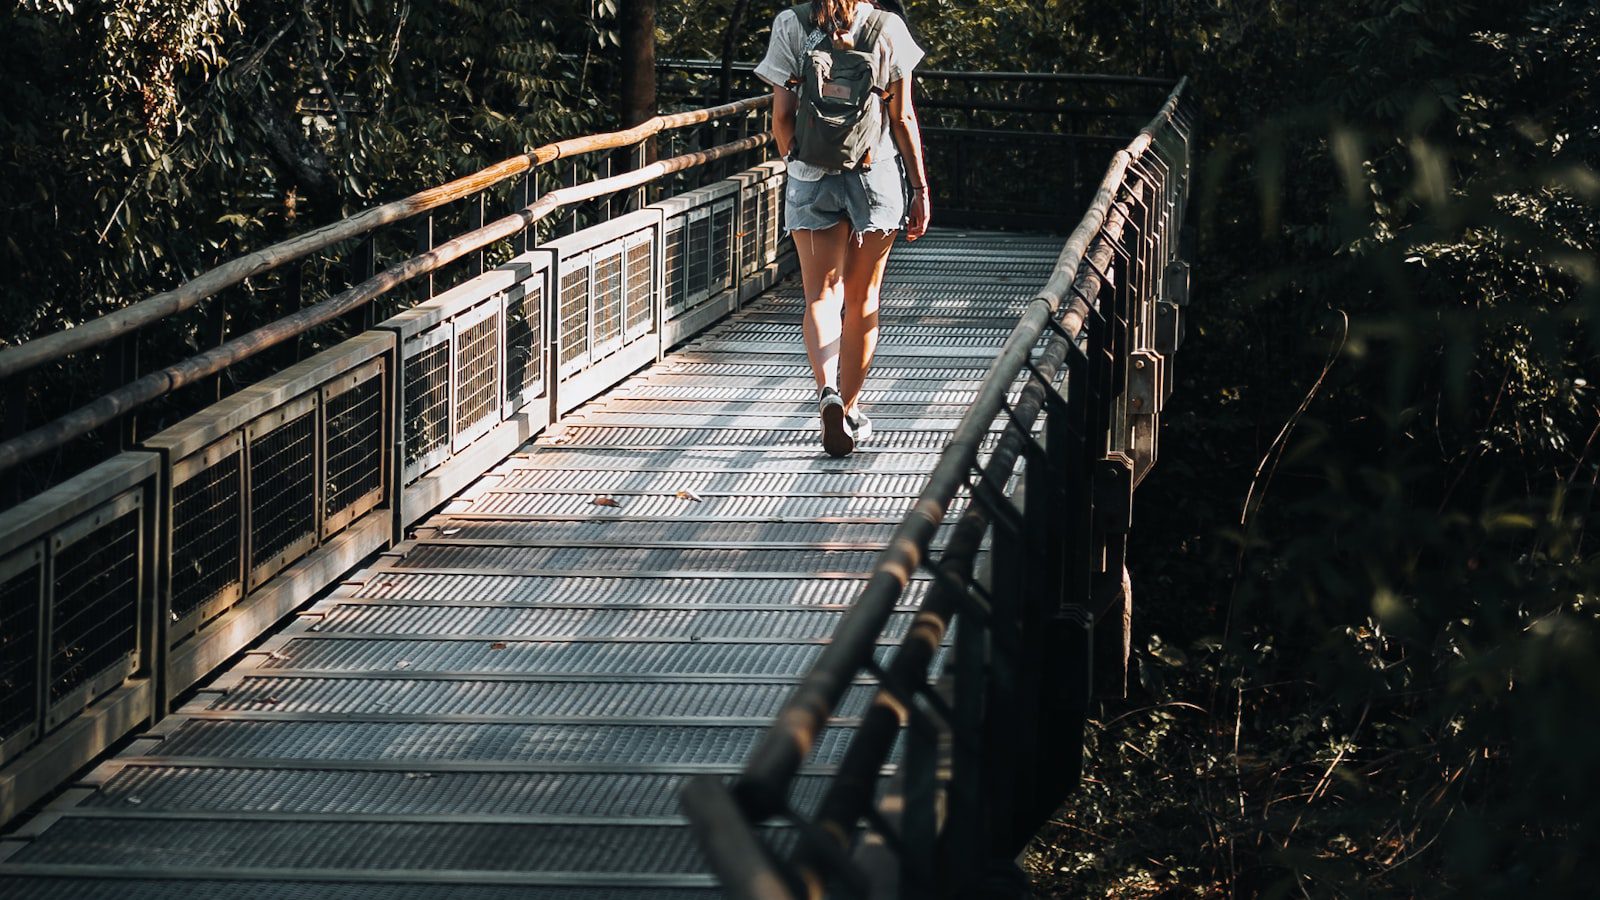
x=876 y=20
x=803 y=13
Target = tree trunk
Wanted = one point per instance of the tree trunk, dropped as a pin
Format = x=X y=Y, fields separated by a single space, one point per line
x=729 y=37
x=638 y=24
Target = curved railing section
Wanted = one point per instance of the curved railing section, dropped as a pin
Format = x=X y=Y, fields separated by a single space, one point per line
x=979 y=714
x=124 y=585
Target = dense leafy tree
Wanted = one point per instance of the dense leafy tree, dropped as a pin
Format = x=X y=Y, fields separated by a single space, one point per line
x=145 y=141
x=1367 y=647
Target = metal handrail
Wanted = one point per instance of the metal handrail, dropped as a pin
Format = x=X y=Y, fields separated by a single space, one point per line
x=1061 y=309
x=154 y=385
x=107 y=328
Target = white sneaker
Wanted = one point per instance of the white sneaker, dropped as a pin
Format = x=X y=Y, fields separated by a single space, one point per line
x=836 y=438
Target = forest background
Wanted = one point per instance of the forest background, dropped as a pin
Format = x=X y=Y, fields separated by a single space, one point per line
x=1367 y=655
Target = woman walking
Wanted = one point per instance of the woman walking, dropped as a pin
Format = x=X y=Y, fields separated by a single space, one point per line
x=843 y=206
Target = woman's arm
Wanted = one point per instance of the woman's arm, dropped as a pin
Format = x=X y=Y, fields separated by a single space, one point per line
x=908 y=137
x=784 y=105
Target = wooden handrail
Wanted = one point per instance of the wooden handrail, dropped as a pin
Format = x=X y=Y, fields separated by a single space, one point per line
x=50 y=347
x=712 y=65
x=157 y=384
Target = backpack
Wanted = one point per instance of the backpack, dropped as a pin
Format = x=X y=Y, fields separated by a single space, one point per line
x=840 y=114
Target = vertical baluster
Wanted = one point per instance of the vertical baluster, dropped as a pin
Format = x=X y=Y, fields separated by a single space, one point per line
x=519 y=201
x=425 y=245
x=14 y=393
x=475 y=217
x=217 y=315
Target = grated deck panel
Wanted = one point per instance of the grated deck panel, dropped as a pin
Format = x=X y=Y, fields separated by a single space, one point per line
x=506 y=705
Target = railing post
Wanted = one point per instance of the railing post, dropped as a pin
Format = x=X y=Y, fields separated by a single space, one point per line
x=14 y=394
x=475 y=217
x=218 y=322
x=1004 y=712
x=521 y=191
x=425 y=245
x=121 y=366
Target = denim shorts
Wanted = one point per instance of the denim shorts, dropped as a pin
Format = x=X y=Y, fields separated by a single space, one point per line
x=873 y=200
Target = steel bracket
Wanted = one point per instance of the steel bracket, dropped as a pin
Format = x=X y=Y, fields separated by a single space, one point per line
x=1176 y=283
x=1144 y=382
x=1113 y=493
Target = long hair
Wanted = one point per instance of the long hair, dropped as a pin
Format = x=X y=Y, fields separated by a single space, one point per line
x=833 y=16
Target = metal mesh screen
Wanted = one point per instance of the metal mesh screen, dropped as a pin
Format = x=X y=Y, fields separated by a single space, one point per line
x=639 y=278
x=751 y=204
x=677 y=236
x=722 y=247
x=19 y=651
x=207 y=530
x=427 y=393
x=770 y=221
x=607 y=316
x=94 y=610
x=574 y=314
x=283 y=487
x=355 y=445
x=698 y=276
x=477 y=372
x=524 y=343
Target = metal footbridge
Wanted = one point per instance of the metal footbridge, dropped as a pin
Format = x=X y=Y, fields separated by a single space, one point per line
x=535 y=583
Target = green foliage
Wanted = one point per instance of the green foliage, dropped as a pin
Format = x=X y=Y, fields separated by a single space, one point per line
x=1375 y=680
x=146 y=141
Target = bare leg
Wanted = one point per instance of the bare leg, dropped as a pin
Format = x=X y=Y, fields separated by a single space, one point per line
x=822 y=265
x=863 y=279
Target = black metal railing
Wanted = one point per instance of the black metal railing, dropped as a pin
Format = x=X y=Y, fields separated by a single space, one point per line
x=1017 y=150
x=984 y=738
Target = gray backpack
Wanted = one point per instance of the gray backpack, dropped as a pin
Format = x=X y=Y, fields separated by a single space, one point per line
x=840 y=116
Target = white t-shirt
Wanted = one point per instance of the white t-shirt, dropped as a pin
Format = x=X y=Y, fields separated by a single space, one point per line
x=897 y=53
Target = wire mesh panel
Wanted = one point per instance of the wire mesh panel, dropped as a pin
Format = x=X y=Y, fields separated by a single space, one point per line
x=208 y=514
x=722 y=245
x=353 y=434
x=698 y=266
x=426 y=405
x=751 y=206
x=283 y=487
x=572 y=312
x=605 y=301
x=771 y=217
x=476 y=368
x=21 y=580
x=639 y=286
x=675 y=270
x=96 y=591
x=524 y=336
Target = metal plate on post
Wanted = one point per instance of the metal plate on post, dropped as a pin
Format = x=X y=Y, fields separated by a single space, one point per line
x=1113 y=493
x=1144 y=382
x=1176 y=286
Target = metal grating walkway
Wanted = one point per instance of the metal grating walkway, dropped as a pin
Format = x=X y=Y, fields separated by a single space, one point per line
x=504 y=706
